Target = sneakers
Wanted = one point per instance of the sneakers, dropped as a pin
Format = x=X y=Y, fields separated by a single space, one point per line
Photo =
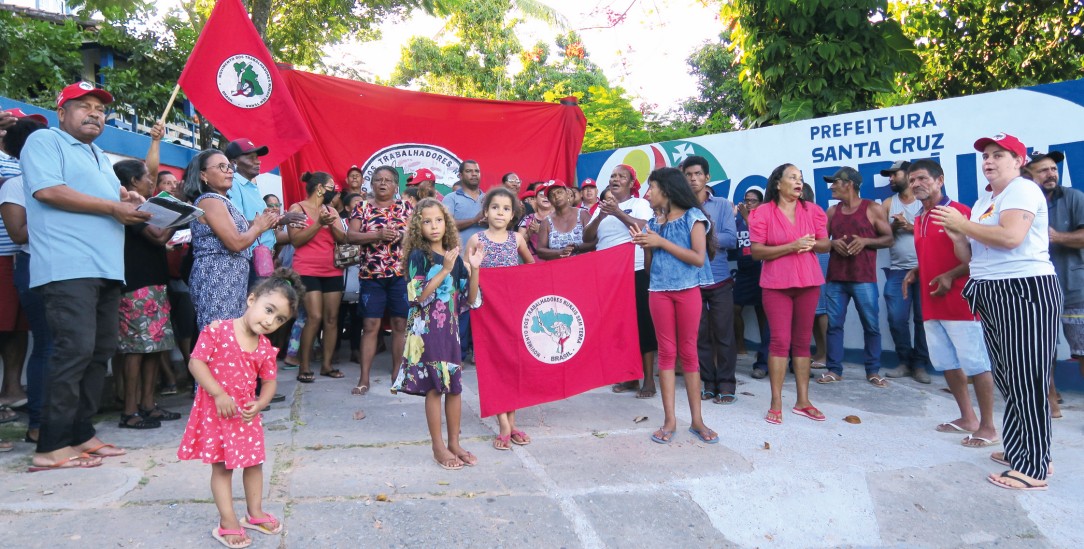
x=902 y=370
x=759 y=374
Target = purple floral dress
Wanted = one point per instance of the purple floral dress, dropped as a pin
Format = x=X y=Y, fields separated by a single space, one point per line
x=431 y=359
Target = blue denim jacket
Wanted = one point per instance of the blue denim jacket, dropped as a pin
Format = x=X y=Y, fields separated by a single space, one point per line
x=669 y=273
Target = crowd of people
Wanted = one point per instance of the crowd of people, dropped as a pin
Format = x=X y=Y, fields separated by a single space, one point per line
x=976 y=292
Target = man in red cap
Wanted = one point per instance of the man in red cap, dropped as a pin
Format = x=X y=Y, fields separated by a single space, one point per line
x=354 y=179
x=76 y=231
x=426 y=182
x=590 y=195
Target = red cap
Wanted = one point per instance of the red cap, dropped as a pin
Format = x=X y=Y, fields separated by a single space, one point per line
x=353 y=168
x=588 y=183
x=552 y=184
x=18 y=113
x=79 y=89
x=526 y=193
x=1005 y=141
x=421 y=176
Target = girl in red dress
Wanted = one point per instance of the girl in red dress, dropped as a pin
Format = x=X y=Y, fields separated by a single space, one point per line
x=224 y=428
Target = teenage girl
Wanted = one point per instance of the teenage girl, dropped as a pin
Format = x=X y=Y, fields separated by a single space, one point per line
x=439 y=287
x=502 y=248
x=224 y=428
x=675 y=253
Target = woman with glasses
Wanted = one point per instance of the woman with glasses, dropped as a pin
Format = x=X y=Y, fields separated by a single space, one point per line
x=220 y=240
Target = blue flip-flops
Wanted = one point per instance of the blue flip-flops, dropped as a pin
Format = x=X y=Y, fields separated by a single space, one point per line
x=701 y=437
x=667 y=436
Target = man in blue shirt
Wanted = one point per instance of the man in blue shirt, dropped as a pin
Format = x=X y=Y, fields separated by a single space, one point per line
x=76 y=229
x=715 y=339
x=465 y=205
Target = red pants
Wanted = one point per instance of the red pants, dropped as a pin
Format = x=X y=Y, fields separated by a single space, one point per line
x=677 y=321
x=790 y=315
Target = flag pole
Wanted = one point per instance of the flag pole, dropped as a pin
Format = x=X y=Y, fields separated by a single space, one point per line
x=169 y=106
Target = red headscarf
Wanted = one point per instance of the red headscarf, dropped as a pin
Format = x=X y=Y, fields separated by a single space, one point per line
x=635 y=181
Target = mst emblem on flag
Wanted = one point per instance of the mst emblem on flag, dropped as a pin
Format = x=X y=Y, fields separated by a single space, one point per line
x=553 y=329
x=244 y=81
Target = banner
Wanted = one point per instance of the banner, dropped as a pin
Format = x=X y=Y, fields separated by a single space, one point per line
x=1046 y=117
x=551 y=330
x=233 y=82
x=370 y=126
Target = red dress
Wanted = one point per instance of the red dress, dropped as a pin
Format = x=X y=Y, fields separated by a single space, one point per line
x=230 y=440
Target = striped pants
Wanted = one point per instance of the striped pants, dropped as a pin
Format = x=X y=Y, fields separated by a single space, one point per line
x=1020 y=320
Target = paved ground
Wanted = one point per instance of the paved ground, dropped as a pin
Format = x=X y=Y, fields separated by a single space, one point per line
x=591 y=478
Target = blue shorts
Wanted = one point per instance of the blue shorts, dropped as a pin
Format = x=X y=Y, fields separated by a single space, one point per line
x=957 y=344
x=380 y=295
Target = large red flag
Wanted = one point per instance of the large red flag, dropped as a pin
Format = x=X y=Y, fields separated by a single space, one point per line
x=233 y=82
x=370 y=125
x=551 y=330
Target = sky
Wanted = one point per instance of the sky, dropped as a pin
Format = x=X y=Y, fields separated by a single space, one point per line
x=645 y=53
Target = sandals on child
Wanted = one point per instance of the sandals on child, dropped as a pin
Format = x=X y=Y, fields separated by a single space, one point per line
x=257 y=524
x=220 y=533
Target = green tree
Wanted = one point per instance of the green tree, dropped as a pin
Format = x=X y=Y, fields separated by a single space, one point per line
x=974 y=46
x=813 y=58
x=718 y=104
x=612 y=121
x=38 y=58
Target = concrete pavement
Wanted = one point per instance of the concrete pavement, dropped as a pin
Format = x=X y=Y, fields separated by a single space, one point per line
x=591 y=478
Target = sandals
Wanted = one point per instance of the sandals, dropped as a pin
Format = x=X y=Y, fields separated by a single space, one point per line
x=809 y=412
x=726 y=399
x=360 y=390
x=877 y=381
x=706 y=395
x=336 y=373
x=662 y=436
x=829 y=377
x=451 y=464
x=220 y=533
x=502 y=442
x=97 y=451
x=7 y=414
x=999 y=457
x=81 y=461
x=159 y=414
x=775 y=417
x=306 y=377
x=257 y=524
x=642 y=394
x=1024 y=484
x=143 y=423
x=522 y=439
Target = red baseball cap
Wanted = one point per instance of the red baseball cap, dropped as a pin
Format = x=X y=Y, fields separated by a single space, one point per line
x=552 y=184
x=1005 y=141
x=588 y=183
x=526 y=193
x=353 y=168
x=79 y=89
x=243 y=146
x=18 y=113
x=421 y=176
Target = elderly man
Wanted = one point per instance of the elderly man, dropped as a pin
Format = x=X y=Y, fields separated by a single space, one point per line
x=76 y=229
x=1066 y=207
x=465 y=204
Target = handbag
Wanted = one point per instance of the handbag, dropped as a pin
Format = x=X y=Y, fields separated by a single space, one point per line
x=347 y=254
x=263 y=261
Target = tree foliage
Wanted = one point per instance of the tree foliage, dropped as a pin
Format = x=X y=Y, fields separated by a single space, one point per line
x=817 y=57
x=974 y=46
x=718 y=104
x=38 y=58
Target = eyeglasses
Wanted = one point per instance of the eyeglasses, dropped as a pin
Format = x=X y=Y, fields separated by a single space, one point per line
x=224 y=168
x=274 y=205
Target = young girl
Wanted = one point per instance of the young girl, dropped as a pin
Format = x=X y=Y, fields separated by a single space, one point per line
x=439 y=288
x=224 y=428
x=675 y=254
x=501 y=247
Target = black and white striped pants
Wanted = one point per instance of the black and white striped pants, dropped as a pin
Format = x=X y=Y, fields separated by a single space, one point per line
x=1020 y=319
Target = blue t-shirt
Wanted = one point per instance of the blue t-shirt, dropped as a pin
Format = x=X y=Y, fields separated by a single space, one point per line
x=9 y=168
x=245 y=196
x=69 y=245
x=463 y=207
x=669 y=273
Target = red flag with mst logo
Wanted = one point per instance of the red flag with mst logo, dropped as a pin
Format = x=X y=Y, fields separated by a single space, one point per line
x=233 y=82
x=551 y=330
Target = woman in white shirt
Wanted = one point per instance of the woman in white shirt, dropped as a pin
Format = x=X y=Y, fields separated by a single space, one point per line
x=1014 y=290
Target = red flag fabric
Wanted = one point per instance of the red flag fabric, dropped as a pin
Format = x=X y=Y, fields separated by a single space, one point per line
x=370 y=125
x=233 y=82
x=551 y=330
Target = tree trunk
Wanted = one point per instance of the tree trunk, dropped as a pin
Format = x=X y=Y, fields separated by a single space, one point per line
x=261 y=12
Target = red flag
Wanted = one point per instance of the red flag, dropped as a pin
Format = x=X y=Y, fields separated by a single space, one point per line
x=551 y=330
x=370 y=125
x=232 y=80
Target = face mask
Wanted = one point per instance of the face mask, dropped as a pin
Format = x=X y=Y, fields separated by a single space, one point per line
x=329 y=196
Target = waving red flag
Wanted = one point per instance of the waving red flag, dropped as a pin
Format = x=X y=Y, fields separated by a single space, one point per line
x=233 y=82
x=551 y=330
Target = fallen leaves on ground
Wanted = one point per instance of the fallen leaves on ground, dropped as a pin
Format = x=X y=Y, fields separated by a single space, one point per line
x=853 y=420
x=639 y=419
x=359 y=415
x=383 y=497
x=767 y=446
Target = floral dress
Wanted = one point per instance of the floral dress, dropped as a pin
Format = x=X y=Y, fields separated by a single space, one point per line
x=500 y=254
x=219 y=280
x=214 y=439
x=431 y=359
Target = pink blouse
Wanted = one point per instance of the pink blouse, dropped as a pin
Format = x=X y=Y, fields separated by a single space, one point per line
x=768 y=225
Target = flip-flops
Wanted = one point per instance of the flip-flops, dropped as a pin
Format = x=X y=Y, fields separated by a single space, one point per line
x=982 y=442
x=666 y=437
x=999 y=458
x=809 y=412
x=706 y=395
x=829 y=377
x=704 y=439
x=502 y=442
x=450 y=464
x=96 y=451
x=523 y=438
x=7 y=414
x=719 y=399
x=360 y=390
x=220 y=533
x=336 y=373
x=306 y=377
x=1026 y=486
x=775 y=417
x=81 y=461
x=877 y=381
x=468 y=459
x=949 y=427
x=257 y=524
